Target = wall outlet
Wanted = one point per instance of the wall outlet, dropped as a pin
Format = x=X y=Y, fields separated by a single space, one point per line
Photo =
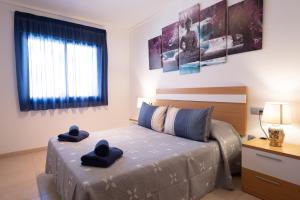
x=256 y=110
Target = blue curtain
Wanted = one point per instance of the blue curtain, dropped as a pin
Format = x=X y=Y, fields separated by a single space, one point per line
x=61 y=79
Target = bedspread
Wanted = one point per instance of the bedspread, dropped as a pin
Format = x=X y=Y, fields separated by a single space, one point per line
x=154 y=166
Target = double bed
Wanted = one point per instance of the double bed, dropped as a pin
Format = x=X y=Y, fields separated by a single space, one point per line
x=154 y=165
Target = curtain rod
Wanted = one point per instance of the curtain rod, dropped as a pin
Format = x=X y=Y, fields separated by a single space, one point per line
x=49 y=13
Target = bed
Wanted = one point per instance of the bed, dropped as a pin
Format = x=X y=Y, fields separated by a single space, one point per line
x=155 y=165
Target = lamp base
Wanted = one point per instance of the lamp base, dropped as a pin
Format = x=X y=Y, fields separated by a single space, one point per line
x=276 y=136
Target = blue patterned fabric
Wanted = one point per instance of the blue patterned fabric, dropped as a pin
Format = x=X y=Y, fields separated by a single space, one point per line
x=152 y=117
x=192 y=124
x=146 y=114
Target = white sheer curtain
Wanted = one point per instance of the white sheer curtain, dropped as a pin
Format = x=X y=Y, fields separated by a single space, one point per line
x=82 y=70
x=60 y=70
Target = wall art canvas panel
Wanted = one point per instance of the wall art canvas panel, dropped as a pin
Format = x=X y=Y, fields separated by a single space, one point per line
x=245 y=26
x=189 y=45
x=213 y=34
x=154 y=46
x=170 y=45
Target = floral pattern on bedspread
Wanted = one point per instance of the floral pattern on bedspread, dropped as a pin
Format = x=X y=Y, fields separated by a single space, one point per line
x=154 y=166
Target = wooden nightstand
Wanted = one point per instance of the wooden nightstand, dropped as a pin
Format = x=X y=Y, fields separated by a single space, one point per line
x=271 y=173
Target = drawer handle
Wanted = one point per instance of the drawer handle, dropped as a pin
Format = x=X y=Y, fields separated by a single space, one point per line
x=269 y=157
x=267 y=180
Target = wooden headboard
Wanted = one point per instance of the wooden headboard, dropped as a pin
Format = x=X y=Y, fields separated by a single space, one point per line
x=230 y=103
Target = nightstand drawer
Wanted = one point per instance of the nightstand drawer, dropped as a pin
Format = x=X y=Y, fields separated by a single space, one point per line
x=267 y=187
x=274 y=165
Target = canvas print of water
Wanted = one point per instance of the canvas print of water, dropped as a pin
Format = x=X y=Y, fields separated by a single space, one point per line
x=189 y=46
x=213 y=34
x=170 y=45
x=245 y=26
x=154 y=46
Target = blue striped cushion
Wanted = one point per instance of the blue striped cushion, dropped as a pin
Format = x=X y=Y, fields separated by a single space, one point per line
x=152 y=117
x=192 y=124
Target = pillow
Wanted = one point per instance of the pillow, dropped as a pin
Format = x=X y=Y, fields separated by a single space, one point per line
x=152 y=117
x=192 y=124
x=170 y=119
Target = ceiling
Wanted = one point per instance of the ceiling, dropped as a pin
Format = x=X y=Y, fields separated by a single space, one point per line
x=120 y=13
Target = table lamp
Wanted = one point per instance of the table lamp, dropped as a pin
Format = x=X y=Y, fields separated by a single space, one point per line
x=276 y=113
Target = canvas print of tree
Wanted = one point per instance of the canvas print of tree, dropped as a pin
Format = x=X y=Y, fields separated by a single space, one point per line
x=189 y=46
x=213 y=34
x=245 y=26
x=170 y=45
x=154 y=46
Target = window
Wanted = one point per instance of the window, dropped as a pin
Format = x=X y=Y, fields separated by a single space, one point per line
x=59 y=70
x=59 y=64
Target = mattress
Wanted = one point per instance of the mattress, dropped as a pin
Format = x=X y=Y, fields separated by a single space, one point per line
x=154 y=166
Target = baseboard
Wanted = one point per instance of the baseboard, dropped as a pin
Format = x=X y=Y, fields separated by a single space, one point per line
x=17 y=153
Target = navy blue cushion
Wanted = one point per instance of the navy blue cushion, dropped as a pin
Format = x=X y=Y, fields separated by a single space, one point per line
x=193 y=124
x=74 y=130
x=102 y=148
x=92 y=159
x=146 y=114
x=66 y=137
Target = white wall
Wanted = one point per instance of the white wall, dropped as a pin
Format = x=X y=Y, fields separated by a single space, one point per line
x=272 y=74
x=20 y=131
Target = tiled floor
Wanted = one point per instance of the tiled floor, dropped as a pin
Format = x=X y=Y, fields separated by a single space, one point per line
x=18 y=181
x=237 y=194
x=18 y=176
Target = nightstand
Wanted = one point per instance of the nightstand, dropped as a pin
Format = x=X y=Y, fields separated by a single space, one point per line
x=271 y=173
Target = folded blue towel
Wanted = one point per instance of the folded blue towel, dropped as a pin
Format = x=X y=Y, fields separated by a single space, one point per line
x=74 y=130
x=66 y=137
x=102 y=148
x=91 y=159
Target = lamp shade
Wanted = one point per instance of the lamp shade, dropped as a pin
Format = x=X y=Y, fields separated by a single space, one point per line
x=277 y=113
x=140 y=101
